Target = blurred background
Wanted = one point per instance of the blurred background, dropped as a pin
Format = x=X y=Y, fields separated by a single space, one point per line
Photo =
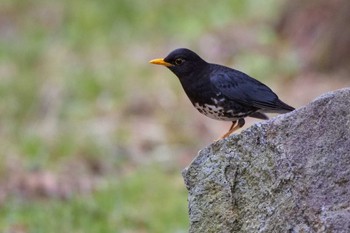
x=93 y=138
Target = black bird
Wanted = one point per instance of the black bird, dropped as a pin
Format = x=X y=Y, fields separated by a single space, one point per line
x=222 y=93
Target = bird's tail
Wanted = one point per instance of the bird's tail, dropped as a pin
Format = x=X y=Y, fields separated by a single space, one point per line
x=279 y=107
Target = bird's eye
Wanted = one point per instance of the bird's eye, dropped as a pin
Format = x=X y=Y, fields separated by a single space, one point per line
x=179 y=61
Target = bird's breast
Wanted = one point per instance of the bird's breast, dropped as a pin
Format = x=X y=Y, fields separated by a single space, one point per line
x=219 y=112
x=211 y=111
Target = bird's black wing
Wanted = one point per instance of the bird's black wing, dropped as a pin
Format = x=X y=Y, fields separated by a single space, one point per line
x=241 y=88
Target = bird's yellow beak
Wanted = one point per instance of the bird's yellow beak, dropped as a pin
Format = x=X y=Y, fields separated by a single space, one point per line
x=160 y=61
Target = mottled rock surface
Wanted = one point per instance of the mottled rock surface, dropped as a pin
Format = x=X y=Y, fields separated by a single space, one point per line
x=287 y=174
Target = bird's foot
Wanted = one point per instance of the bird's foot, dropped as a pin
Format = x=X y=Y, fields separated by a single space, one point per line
x=235 y=126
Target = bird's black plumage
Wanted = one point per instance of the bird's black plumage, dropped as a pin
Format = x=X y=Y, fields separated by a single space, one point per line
x=220 y=92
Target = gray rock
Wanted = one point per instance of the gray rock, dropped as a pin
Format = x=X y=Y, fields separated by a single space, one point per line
x=287 y=174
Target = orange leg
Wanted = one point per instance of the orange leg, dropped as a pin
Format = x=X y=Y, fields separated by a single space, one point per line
x=235 y=125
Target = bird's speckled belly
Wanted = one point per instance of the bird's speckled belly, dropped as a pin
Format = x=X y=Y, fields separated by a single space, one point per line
x=219 y=112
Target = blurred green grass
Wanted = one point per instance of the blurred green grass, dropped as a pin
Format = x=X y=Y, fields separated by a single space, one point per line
x=142 y=202
x=75 y=86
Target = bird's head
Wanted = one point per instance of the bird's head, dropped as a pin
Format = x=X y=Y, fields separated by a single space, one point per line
x=182 y=62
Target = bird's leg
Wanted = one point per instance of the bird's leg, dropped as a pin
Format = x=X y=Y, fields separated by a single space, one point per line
x=235 y=125
x=232 y=128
